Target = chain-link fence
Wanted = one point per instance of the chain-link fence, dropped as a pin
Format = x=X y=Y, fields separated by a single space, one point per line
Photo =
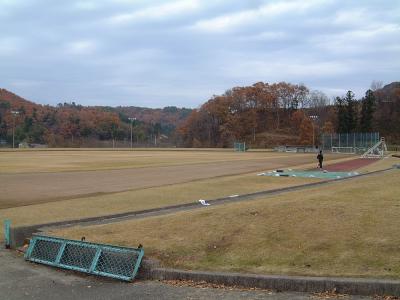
x=350 y=142
x=105 y=260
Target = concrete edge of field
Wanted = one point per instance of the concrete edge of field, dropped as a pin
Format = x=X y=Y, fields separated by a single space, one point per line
x=281 y=283
x=19 y=234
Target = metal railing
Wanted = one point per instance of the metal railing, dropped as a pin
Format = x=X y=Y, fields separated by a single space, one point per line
x=99 y=259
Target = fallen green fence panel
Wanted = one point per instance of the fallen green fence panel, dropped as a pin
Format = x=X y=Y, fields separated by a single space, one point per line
x=7 y=239
x=105 y=260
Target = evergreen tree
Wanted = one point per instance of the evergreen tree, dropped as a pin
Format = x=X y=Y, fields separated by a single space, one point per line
x=351 y=112
x=367 y=110
x=341 y=115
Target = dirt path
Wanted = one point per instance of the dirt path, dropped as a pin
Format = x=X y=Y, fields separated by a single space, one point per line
x=24 y=189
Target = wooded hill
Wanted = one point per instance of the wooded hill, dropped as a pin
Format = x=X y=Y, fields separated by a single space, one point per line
x=265 y=115
x=262 y=115
x=73 y=125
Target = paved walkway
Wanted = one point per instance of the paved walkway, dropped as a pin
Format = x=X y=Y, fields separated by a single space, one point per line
x=24 y=280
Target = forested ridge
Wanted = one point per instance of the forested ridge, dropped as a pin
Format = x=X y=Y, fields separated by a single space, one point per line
x=265 y=115
x=262 y=115
x=74 y=125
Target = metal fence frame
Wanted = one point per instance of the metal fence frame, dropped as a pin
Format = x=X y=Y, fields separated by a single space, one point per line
x=359 y=142
x=98 y=248
x=7 y=238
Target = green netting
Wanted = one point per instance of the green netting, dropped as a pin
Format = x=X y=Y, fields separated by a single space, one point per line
x=310 y=174
x=239 y=147
x=349 y=142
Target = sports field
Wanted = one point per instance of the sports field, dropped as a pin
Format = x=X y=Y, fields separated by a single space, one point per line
x=43 y=186
x=46 y=186
x=31 y=177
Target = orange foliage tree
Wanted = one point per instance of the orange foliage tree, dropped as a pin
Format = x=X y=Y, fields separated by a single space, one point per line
x=306 y=132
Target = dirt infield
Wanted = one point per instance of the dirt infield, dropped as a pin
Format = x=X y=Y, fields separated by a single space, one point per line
x=24 y=189
x=350 y=165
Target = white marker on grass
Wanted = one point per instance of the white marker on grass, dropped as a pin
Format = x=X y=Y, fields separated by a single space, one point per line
x=203 y=202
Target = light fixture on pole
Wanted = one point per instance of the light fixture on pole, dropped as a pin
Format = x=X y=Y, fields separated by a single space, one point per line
x=313 y=118
x=14 y=113
x=132 y=119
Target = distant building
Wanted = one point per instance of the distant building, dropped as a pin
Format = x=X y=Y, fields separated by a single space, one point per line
x=26 y=145
x=38 y=146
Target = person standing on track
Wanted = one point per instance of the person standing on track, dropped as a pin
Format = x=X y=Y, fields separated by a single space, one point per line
x=320 y=158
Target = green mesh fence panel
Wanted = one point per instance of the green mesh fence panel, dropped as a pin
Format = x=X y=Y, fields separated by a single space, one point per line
x=239 y=147
x=99 y=259
x=7 y=239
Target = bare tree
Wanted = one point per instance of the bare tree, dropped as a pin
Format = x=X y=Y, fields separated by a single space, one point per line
x=317 y=99
x=376 y=85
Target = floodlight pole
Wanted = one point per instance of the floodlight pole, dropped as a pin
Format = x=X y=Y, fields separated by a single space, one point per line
x=132 y=119
x=14 y=113
x=313 y=118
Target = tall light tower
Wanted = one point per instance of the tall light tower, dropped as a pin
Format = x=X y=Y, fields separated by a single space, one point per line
x=313 y=118
x=132 y=119
x=14 y=113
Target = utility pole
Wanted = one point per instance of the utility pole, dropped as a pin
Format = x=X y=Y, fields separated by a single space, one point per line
x=132 y=119
x=14 y=113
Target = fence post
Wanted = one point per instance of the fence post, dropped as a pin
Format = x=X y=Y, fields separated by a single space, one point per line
x=7 y=241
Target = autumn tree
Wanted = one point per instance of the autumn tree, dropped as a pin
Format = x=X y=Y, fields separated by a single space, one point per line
x=306 y=132
x=296 y=120
x=328 y=128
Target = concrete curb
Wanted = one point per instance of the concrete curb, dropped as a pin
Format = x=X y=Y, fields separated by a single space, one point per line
x=352 y=286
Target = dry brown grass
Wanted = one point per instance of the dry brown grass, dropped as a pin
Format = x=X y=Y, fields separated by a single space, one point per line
x=145 y=198
x=344 y=229
x=84 y=160
x=139 y=199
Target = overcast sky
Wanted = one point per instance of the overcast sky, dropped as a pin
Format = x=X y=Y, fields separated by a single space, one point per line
x=161 y=53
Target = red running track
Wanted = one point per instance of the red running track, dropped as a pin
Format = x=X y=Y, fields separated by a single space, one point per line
x=350 y=165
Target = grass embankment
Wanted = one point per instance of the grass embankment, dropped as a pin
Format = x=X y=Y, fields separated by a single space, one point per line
x=145 y=198
x=344 y=229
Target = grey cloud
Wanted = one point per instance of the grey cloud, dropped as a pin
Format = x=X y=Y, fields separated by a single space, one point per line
x=159 y=55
